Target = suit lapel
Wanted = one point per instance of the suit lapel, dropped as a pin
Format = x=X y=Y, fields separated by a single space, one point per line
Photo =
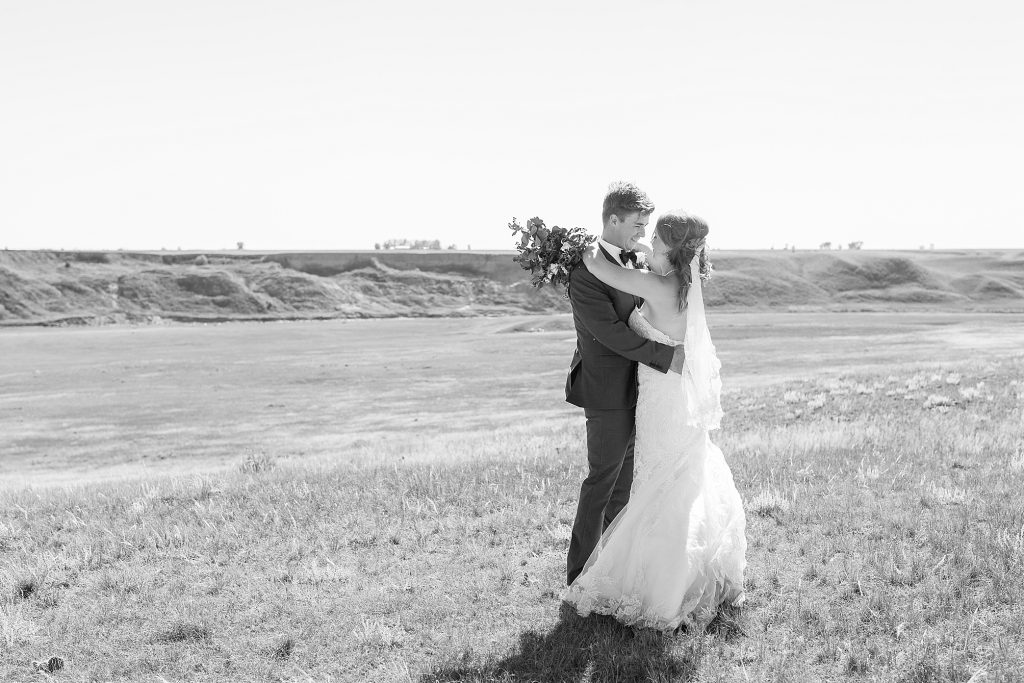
x=616 y=262
x=637 y=301
x=607 y=255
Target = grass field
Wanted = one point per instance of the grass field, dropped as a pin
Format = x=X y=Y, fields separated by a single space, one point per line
x=391 y=500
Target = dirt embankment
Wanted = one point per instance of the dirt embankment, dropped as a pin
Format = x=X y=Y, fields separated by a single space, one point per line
x=43 y=287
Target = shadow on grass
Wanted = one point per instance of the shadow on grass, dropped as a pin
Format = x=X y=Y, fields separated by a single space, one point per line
x=594 y=648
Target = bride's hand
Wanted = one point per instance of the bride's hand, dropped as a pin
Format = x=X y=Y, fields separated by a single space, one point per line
x=678 y=360
x=590 y=255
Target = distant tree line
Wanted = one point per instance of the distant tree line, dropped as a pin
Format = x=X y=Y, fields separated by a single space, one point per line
x=411 y=244
x=826 y=245
x=851 y=245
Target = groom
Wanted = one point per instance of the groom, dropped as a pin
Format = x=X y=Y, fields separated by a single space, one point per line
x=602 y=376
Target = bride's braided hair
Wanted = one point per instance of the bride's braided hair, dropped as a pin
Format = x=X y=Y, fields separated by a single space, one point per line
x=684 y=234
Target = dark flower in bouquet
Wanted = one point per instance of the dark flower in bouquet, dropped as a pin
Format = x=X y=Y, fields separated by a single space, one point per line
x=550 y=254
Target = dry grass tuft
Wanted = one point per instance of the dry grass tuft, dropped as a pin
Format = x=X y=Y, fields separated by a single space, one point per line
x=24 y=588
x=283 y=649
x=768 y=504
x=183 y=632
x=254 y=463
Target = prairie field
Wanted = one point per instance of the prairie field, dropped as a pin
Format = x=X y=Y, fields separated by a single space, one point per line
x=391 y=500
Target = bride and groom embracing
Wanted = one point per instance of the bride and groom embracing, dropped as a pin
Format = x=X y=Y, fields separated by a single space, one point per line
x=658 y=539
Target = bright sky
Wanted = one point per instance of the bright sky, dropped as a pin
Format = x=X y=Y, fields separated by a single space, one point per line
x=334 y=124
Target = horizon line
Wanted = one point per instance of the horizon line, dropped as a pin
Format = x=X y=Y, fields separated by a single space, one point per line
x=199 y=250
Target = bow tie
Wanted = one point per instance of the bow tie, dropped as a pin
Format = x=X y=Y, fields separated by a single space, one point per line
x=628 y=257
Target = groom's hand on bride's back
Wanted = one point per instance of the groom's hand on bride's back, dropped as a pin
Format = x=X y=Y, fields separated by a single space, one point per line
x=678 y=356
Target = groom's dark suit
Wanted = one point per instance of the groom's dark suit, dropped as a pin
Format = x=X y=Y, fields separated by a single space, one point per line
x=602 y=381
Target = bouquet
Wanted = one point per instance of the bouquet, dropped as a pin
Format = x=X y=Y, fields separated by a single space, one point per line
x=550 y=254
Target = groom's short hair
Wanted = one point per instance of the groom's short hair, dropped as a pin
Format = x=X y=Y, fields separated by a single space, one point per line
x=623 y=199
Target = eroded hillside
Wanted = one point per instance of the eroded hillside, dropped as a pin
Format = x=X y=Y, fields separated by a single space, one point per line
x=42 y=287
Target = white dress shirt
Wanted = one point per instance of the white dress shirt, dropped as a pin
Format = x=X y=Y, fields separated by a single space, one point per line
x=616 y=253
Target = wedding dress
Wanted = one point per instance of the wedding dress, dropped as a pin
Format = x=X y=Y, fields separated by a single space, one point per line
x=677 y=550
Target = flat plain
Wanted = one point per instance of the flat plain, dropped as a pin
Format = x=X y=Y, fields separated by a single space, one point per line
x=391 y=500
x=89 y=403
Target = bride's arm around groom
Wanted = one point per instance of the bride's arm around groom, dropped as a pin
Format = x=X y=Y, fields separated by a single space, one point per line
x=602 y=373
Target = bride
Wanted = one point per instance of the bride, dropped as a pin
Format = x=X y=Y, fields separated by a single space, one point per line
x=676 y=552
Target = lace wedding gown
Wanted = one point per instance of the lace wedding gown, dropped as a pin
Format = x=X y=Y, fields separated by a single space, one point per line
x=677 y=550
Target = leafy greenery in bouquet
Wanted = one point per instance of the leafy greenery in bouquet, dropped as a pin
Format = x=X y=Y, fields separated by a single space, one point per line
x=550 y=254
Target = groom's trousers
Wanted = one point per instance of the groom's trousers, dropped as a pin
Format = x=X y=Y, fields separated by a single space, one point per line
x=605 y=491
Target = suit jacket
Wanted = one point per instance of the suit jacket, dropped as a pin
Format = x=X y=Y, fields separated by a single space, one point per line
x=602 y=375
